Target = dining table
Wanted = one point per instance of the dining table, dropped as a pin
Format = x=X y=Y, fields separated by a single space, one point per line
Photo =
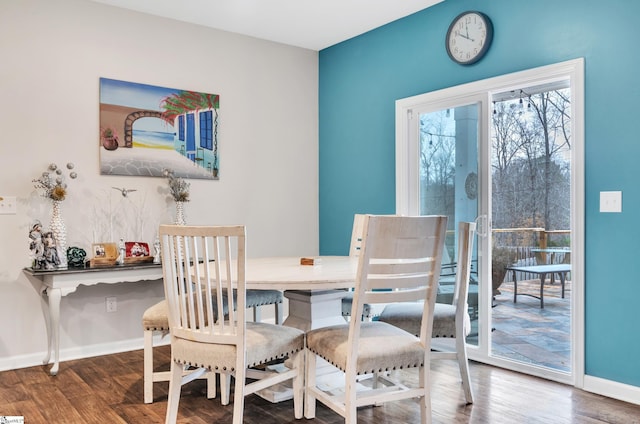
x=314 y=291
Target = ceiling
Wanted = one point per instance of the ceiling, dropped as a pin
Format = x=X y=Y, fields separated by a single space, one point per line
x=311 y=24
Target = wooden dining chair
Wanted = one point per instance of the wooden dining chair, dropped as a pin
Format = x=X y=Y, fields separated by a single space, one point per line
x=155 y=320
x=399 y=262
x=203 y=335
x=450 y=320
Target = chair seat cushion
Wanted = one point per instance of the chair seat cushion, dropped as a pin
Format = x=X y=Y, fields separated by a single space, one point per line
x=381 y=347
x=408 y=316
x=156 y=317
x=263 y=297
x=347 y=304
x=264 y=343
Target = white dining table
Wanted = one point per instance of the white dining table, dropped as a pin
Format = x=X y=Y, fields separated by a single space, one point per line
x=314 y=292
x=315 y=295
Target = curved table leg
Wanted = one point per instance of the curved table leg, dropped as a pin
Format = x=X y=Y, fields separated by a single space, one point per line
x=54 y=296
x=44 y=303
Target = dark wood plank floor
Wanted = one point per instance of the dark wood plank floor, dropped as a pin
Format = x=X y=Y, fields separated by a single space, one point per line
x=108 y=389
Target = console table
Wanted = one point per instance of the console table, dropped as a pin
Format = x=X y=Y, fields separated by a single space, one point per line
x=55 y=284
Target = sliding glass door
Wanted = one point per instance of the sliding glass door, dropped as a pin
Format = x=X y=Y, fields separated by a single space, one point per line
x=507 y=153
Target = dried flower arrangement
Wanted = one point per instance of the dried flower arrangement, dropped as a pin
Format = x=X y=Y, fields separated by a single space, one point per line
x=52 y=182
x=178 y=187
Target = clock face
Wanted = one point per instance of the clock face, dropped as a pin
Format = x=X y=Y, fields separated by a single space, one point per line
x=469 y=37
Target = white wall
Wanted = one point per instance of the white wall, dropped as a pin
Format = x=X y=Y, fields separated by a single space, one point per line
x=52 y=55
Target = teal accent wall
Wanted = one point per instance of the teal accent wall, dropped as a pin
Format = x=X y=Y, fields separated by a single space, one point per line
x=361 y=78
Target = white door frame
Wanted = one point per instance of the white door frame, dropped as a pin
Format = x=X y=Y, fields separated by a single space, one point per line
x=407 y=190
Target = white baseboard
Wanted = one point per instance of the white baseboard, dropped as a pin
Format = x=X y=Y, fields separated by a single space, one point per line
x=612 y=389
x=35 y=359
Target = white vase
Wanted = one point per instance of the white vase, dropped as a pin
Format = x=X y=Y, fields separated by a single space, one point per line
x=180 y=220
x=59 y=231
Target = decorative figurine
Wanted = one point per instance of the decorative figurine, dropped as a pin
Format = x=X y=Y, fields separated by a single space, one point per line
x=51 y=254
x=76 y=256
x=36 y=246
x=156 y=248
x=125 y=191
x=121 y=252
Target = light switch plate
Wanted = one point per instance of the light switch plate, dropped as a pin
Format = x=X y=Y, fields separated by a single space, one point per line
x=8 y=205
x=610 y=201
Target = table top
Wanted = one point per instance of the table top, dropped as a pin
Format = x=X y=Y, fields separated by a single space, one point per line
x=79 y=270
x=541 y=268
x=286 y=273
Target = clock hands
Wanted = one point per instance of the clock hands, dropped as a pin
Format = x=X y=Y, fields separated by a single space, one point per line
x=465 y=36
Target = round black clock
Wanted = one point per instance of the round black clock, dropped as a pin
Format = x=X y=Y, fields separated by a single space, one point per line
x=469 y=37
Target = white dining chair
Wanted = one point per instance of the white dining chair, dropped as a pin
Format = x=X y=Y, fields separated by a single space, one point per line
x=203 y=335
x=450 y=320
x=155 y=320
x=399 y=261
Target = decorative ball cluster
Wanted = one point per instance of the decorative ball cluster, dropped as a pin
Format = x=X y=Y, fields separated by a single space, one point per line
x=52 y=181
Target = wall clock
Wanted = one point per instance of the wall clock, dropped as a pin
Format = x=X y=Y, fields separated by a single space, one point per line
x=469 y=37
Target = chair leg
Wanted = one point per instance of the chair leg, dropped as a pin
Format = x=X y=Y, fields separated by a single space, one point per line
x=211 y=384
x=257 y=316
x=310 y=383
x=238 y=396
x=279 y=313
x=425 y=401
x=175 y=386
x=350 y=396
x=148 y=366
x=463 y=362
x=298 y=384
x=225 y=388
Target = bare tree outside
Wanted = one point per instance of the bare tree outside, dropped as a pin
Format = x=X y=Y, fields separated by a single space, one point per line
x=531 y=168
x=531 y=145
x=437 y=163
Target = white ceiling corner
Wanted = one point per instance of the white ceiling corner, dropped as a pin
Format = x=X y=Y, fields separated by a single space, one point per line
x=309 y=24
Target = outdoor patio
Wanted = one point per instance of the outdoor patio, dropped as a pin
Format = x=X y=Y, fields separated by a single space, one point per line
x=524 y=332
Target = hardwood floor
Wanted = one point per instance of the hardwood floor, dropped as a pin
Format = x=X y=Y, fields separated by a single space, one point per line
x=108 y=389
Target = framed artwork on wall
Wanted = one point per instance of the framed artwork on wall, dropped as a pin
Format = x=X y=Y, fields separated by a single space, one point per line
x=145 y=129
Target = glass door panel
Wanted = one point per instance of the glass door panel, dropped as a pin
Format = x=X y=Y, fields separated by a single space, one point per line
x=531 y=225
x=448 y=185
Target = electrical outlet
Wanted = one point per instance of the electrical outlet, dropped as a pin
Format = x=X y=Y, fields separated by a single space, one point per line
x=8 y=205
x=111 y=304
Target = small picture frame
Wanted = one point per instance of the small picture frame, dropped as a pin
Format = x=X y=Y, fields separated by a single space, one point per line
x=137 y=252
x=136 y=249
x=104 y=250
x=103 y=254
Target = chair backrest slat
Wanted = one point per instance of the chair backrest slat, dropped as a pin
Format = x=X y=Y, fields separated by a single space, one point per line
x=202 y=266
x=402 y=255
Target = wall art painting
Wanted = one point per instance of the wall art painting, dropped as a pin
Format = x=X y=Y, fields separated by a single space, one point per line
x=145 y=129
